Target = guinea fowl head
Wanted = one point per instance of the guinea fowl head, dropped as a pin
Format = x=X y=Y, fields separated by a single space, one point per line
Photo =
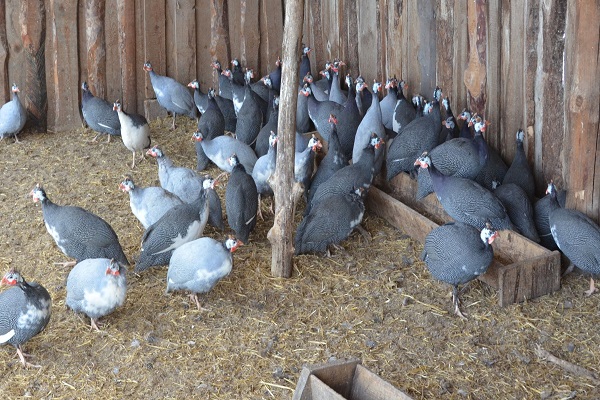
x=155 y=152
x=375 y=141
x=308 y=78
x=391 y=83
x=216 y=65
x=315 y=144
x=84 y=86
x=234 y=160
x=113 y=268
x=15 y=88
x=551 y=189
x=306 y=50
x=211 y=93
x=232 y=244
x=376 y=86
x=248 y=75
x=208 y=183
x=446 y=103
x=127 y=184
x=235 y=63
x=437 y=94
x=117 y=106
x=306 y=91
x=11 y=278
x=465 y=115
x=194 y=84
x=227 y=72
x=337 y=64
x=197 y=136
x=38 y=193
x=448 y=123
x=349 y=80
x=488 y=234
x=273 y=139
x=278 y=62
x=424 y=161
x=403 y=85
x=267 y=81
x=275 y=102
x=325 y=74
x=520 y=136
x=147 y=66
x=332 y=119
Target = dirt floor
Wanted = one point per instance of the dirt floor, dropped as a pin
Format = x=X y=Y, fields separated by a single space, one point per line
x=373 y=301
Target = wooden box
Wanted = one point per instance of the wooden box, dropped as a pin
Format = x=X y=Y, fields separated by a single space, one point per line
x=341 y=380
x=522 y=269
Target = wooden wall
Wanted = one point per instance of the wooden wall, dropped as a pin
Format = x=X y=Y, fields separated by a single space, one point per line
x=531 y=64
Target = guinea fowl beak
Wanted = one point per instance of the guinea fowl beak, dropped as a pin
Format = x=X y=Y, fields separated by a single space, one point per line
x=493 y=237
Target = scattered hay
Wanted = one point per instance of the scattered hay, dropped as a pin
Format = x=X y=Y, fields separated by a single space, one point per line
x=371 y=301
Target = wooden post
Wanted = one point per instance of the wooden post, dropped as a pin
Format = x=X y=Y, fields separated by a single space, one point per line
x=127 y=60
x=4 y=83
x=281 y=234
x=32 y=18
x=96 y=46
x=219 y=23
x=475 y=77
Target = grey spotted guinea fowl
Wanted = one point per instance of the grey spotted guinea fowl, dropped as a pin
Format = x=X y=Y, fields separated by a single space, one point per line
x=211 y=124
x=519 y=209
x=96 y=287
x=99 y=114
x=541 y=209
x=135 y=131
x=12 y=116
x=215 y=214
x=577 y=236
x=200 y=99
x=241 y=201
x=250 y=118
x=465 y=200
x=220 y=149
x=25 y=310
x=304 y=162
x=457 y=253
x=404 y=112
x=225 y=90
x=329 y=222
x=263 y=170
x=78 y=233
x=199 y=265
x=388 y=103
x=148 y=204
x=172 y=95
x=371 y=123
x=262 y=141
x=519 y=171
x=179 y=225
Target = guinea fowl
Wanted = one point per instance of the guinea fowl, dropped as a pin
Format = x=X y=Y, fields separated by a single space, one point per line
x=336 y=94
x=451 y=123
x=388 y=104
x=211 y=124
x=220 y=149
x=148 y=204
x=182 y=182
x=371 y=123
x=519 y=209
x=447 y=132
x=458 y=157
x=304 y=68
x=457 y=253
x=250 y=118
x=262 y=140
x=304 y=163
x=541 y=209
x=302 y=118
x=363 y=96
x=241 y=200
x=493 y=169
x=465 y=200
x=172 y=95
x=329 y=222
x=238 y=90
x=25 y=310
x=404 y=112
x=275 y=76
x=353 y=176
x=96 y=287
x=200 y=99
x=264 y=169
x=577 y=236
x=519 y=171
x=237 y=72
x=198 y=265
x=99 y=114
x=316 y=90
x=333 y=161
x=225 y=90
x=135 y=131
x=465 y=131
x=349 y=119
x=421 y=134
x=77 y=232
x=179 y=225
x=12 y=116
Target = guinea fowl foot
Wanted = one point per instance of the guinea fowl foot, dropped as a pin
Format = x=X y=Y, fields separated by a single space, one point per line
x=569 y=269
x=456 y=303
x=364 y=233
x=194 y=297
x=23 y=361
x=592 y=288
x=93 y=324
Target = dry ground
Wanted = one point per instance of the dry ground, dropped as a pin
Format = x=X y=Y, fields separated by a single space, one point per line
x=372 y=301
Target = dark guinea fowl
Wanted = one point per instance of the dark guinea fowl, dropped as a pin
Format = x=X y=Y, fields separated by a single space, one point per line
x=519 y=171
x=238 y=91
x=336 y=94
x=148 y=204
x=405 y=111
x=225 y=90
x=304 y=163
x=241 y=201
x=541 y=209
x=302 y=118
x=388 y=104
x=577 y=236
x=421 y=134
x=319 y=112
x=264 y=169
x=262 y=140
x=215 y=214
x=211 y=124
x=447 y=132
x=519 y=209
x=465 y=200
x=198 y=265
x=275 y=76
x=329 y=222
x=333 y=161
x=465 y=130
x=218 y=149
x=363 y=96
x=135 y=131
x=237 y=72
x=200 y=99
x=179 y=225
x=25 y=310
x=96 y=287
x=459 y=157
x=78 y=233
x=371 y=123
x=349 y=119
x=263 y=88
x=316 y=90
x=12 y=116
x=494 y=168
x=172 y=95
x=250 y=118
x=304 y=68
x=451 y=123
x=457 y=253
x=99 y=114
x=226 y=107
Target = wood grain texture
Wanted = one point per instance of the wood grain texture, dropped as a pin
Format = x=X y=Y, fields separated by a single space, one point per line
x=95 y=46
x=185 y=41
x=475 y=76
x=219 y=45
x=367 y=40
x=250 y=40
x=204 y=71
x=4 y=82
x=114 y=65
x=127 y=56
x=271 y=34
x=155 y=49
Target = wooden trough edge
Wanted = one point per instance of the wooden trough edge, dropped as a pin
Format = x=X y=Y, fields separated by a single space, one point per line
x=532 y=271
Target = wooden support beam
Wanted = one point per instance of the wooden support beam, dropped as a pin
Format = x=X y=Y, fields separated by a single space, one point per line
x=127 y=53
x=475 y=76
x=250 y=39
x=219 y=25
x=4 y=83
x=281 y=233
x=96 y=46
x=185 y=41
x=154 y=41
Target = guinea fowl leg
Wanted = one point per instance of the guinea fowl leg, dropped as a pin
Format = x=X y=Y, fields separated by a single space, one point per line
x=108 y=140
x=592 y=288
x=23 y=361
x=364 y=233
x=133 y=163
x=17 y=139
x=194 y=296
x=456 y=303
x=94 y=325
x=259 y=212
x=174 y=126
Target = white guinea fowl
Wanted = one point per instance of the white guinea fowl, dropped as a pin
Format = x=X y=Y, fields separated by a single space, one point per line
x=96 y=287
x=135 y=131
x=198 y=265
x=25 y=310
x=12 y=116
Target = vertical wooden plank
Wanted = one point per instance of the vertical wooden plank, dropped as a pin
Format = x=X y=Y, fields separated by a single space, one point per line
x=234 y=27
x=318 y=43
x=367 y=39
x=82 y=43
x=4 y=82
x=427 y=47
x=250 y=35
x=140 y=55
x=170 y=45
x=492 y=105
x=185 y=41
x=33 y=31
x=154 y=40
x=475 y=75
x=220 y=31
x=271 y=33
x=395 y=37
x=62 y=66
x=16 y=56
x=114 y=49
x=351 y=18
x=381 y=40
x=445 y=47
x=95 y=46
x=129 y=65
x=413 y=73
x=582 y=107
x=532 y=26
x=204 y=71
x=460 y=56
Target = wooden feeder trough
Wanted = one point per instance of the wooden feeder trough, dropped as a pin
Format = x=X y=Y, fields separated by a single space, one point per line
x=341 y=380
x=521 y=269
